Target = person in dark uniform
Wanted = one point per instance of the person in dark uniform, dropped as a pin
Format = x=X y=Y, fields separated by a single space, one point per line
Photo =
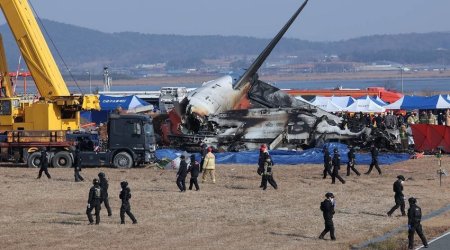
x=260 y=169
x=77 y=166
x=181 y=174
x=327 y=208
x=374 y=163
x=125 y=196
x=104 y=185
x=414 y=218
x=326 y=162
x=194 y=169
x=351 y=161
x=398 y=197
x=268 y=174
x=203 y=152
x=336 y=167
x=43 y=164
x=94 y=202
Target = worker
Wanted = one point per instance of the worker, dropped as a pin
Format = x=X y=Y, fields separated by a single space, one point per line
x=351 y=161
x=432 y=118
x=336 y=167
x=326 y=162
x=374 y=163
x=414 y=218
x=209 y=166
x=404 y=140
x=391 y=120
x=182 y=173
x=327 y=208
x=411 y=120
x=77 y=166
x=104 y=185
x=94 y=202
x=447 y=118
x=203 y=152
x=43 y=164
x=398 y=197
x=268 y=174
x=125 y=196
x=260 y=169
x=423 y=119
x=194 y=169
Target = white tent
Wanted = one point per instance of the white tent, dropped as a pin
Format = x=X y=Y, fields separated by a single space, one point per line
x=343 y=101
x=326 y=104
x=365 y=106
x=302 y=99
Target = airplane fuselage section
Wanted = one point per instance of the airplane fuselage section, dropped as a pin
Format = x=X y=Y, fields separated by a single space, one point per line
x=214 y=97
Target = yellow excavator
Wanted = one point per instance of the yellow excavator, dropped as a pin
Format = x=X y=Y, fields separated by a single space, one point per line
x=56 y=108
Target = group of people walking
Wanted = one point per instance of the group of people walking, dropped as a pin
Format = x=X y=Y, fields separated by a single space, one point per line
x=332 y=165
x=98 y=194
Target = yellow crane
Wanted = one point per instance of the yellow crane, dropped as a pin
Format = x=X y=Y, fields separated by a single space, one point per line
x=56 y=108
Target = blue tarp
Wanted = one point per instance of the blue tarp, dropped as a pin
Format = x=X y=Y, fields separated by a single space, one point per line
x=310 y=156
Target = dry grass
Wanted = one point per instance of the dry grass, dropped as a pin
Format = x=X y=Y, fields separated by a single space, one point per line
x=232 y=214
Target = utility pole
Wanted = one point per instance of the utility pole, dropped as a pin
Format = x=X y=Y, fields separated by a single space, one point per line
x=90 y=82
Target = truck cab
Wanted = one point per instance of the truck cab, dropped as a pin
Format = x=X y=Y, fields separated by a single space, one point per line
x=131 y=142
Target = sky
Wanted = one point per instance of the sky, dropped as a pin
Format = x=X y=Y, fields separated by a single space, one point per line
x=321 y=20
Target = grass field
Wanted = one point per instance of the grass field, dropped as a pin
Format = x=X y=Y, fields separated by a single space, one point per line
x=231 y=214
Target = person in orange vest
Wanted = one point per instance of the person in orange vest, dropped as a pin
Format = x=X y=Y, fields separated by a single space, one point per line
x=209 y=166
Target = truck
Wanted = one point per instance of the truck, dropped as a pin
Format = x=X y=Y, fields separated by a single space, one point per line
x=130 y=142
x=53 y=121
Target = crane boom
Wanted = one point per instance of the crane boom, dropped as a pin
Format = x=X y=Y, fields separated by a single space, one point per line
x=34 y=48
x=6 y=86
x=56 y=109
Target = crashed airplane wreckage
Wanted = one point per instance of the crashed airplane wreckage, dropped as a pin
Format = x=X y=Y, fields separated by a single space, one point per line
x=209 y=114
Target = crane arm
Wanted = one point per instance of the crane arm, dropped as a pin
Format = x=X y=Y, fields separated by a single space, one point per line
x=34 y=48
x=5 y=81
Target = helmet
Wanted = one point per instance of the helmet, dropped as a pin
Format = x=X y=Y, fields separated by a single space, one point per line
x=329 y=195
x=124 y=184
x=401 y=177
x=101 y=175
x=95 y=181
x=412 y=200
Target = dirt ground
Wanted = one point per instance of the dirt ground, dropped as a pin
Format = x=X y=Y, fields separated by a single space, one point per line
x=231 y=214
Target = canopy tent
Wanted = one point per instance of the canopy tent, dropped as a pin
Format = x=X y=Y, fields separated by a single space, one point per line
x=302 y=99
x=110 y=103
x=343 y=101
x=420 y=102
x=365 y=106
x=326 y=104
x=125 y=102
x=375 y=99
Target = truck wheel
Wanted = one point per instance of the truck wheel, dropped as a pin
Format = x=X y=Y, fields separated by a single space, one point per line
x=123 y=160
x=34 y=160
x=62 y=159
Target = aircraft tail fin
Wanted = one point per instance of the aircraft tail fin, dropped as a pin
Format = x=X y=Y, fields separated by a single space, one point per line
x=251 y=71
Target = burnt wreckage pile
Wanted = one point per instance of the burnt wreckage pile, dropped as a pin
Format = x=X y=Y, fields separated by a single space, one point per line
x=278 y=120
